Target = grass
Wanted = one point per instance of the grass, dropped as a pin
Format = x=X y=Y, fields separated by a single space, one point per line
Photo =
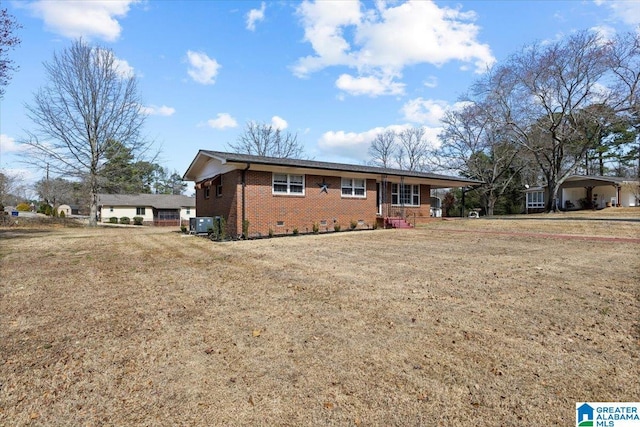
x=140 y=326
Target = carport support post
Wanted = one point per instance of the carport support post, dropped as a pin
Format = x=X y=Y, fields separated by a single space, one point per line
x=462 y=207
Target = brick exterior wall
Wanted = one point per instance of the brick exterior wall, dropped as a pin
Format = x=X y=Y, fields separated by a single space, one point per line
x=282 y=214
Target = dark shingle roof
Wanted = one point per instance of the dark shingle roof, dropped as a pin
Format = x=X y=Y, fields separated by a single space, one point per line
x=158 y=201
x=312 y=164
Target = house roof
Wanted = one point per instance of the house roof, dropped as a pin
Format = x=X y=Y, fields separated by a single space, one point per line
x=243 y=159
x=577 y=181
x=158 y=201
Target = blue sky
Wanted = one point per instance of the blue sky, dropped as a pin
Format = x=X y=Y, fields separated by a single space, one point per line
x=334 y=72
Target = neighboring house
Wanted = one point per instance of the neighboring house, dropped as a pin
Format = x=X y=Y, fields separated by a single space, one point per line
x=278 y=196
x=586 y=191
x=156 y=209
x=68 y=210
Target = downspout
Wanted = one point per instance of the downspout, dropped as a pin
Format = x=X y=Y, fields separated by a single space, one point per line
x=244 y=208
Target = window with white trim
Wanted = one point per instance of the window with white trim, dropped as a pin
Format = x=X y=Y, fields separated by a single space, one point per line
x=288 y=184
x=353 y=187
x=405 y=194
x=535 y=199
x=140 y=211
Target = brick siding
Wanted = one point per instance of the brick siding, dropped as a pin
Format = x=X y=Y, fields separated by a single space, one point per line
x=265 y=210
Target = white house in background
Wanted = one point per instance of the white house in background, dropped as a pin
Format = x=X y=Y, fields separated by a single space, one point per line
x=155 y=209
x=586 y=191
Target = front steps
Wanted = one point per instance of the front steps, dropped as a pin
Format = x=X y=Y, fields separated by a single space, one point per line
x=396 y=222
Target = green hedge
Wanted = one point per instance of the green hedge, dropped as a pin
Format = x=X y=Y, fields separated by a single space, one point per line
x=125 y=220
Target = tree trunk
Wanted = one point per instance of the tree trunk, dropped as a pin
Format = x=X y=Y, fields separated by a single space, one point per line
x=491 y=203
x=552 y=195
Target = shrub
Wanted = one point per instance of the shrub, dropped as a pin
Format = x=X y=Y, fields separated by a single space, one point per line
x=113 y=220
x=137 y=220
x=45 y=209
x=245 y=228
x=270 y=232
x=125 y=220
x=353 y=224
x=23 y=207
x=183 y=228
x=295 y=231
x=62 y=214
x=336 y=227
x=316 y=228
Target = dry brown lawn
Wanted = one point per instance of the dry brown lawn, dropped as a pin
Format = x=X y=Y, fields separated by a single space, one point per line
x=143 y=326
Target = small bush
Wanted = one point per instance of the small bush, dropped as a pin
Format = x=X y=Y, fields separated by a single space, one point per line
x=295 y=231
x=270 y=232
x=316 y=228
x=23 y=207
x=183 y=229
x=113 y=220
x=245 y=228
x=353 y=224
x=336 y=227
x=125 y=220
x=62 y=214
x=45 y=209
x=137 y=220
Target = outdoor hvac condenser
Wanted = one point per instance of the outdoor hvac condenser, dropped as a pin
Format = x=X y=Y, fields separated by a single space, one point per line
x=200 y=224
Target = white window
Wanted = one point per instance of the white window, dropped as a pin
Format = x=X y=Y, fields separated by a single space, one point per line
x=405 y=194
x=288 y=184
x=535 y=199
x=353 y=187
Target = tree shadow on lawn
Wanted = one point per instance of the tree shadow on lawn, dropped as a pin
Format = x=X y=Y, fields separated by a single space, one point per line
x=23 y=233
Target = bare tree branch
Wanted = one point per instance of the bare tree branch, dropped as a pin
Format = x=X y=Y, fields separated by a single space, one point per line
x=263 y=139
x=86 y=107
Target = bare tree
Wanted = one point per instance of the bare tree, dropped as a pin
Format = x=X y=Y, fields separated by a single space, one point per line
x=87 y=106
x=382 y=149
x=413 y=149
x=541 y=96
x=8 y=41
x=12 y=188
x=475 y=145
x=263 y=139
x=625 y=65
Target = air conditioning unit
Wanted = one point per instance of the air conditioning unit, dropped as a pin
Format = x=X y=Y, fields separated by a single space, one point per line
x=200 y=224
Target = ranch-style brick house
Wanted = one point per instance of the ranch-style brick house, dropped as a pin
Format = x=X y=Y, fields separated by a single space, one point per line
x=154 y=209
x=278 y=196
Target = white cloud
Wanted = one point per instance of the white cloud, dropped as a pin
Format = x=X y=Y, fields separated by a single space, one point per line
x=626 y=11
x=123 y=68
x=425 y=111
x=254 y=16
x=279 y=123
x=90 y=19
x=372 y=86
x=223 y=120
x=154 y=110
x=202 y=68
x=354 y=145
x=9 y=145
x=431 y=82
x=387 y=39
x=323 y=27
